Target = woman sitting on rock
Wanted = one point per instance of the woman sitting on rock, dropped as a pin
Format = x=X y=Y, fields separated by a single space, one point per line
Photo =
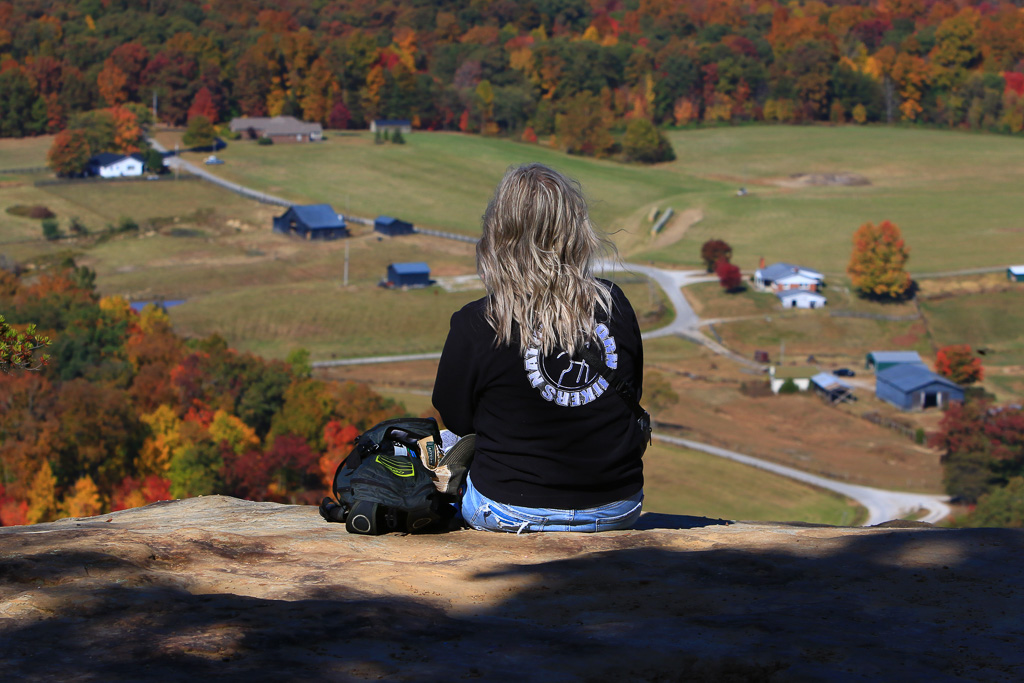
x=557 y=448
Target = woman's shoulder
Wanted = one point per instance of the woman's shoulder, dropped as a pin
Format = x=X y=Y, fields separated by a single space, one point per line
x=619 y=300
x=472 y=314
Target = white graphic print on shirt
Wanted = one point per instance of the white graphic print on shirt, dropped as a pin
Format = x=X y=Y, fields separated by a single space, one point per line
x=568 y=382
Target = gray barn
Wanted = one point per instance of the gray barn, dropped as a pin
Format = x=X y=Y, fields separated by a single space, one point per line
x=386 y=225
x=915 y=387
x=314 y=222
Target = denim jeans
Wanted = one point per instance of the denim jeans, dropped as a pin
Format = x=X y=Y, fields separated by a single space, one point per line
x=482 y=513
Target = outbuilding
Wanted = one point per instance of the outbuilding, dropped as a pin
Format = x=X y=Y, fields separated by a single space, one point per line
x=313 y=222
x=880 y=360
x=831 y=388
x=111 y=165
x=915 y=387
x=386 y=225
x=1015 y=273
x=403 y=126
x=415 y=274
x=801 y=298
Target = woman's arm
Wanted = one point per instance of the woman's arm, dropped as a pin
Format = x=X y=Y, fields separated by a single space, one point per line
x=454 y=393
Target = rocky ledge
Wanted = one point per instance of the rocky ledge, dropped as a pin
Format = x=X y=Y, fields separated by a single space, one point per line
x=217 y=588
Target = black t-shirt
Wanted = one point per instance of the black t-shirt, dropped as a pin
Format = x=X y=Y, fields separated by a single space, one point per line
x=550 y=431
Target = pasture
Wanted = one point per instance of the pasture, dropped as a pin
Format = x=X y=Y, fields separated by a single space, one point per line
x=684 y=482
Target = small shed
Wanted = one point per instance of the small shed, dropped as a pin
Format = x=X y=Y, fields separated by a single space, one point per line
x=880 y=360
x=391 y=125
x=386 y=225
x=1015 y=273
x=831 y=388
x=313 y=222
x=415 y=274
x=784 y=276
x=801 y=298
x=915 y=387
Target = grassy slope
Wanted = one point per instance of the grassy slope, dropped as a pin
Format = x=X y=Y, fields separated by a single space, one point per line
x=681 y=481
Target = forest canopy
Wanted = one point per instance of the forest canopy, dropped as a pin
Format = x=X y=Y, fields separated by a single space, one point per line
x=515 y=68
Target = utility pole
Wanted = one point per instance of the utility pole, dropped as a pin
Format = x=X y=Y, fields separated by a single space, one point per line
x=177 y=161
x=154 y=108
x=346 y=262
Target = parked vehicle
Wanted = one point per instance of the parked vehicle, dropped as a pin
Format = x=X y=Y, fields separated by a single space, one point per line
x=213 y=160
x=844 y=372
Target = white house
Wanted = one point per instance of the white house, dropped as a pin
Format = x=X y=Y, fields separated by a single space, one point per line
x=1015 y=273
x=785 y=276
x=801 y=377
x=801 y=298
x=111 y=165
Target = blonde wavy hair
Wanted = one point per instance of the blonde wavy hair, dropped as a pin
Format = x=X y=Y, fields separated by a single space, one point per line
x=536 y=259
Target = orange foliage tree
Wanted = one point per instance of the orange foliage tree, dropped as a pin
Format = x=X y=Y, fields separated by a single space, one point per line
x=878 y=261
x=958 y=363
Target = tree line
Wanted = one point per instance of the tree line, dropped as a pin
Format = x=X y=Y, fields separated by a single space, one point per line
x=566 y=71
x=124 y=412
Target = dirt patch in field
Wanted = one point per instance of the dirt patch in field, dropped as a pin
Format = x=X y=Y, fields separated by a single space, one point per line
x=821 y=180
x=677 y=227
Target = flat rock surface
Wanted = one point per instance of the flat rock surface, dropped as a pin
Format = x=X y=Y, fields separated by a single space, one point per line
x=217 y=588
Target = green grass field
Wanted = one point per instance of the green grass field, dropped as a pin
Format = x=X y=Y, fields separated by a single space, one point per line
x=955 y=195
x=684 y=482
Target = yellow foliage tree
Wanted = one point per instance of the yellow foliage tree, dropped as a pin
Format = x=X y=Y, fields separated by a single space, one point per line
x=155 y=455
x=238 y=435
x=83 y=500
x=42 y=495
x=878 y=260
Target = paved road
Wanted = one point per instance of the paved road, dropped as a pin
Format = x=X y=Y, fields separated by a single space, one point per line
x=881 y=505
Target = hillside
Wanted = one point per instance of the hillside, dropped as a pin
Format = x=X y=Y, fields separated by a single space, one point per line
x=218 y=588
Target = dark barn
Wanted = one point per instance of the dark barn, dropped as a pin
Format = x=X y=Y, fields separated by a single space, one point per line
x=415 y=274
x=386 y=225
x=314 y=222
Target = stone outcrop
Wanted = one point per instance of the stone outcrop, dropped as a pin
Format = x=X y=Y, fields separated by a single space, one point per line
x=217 y=588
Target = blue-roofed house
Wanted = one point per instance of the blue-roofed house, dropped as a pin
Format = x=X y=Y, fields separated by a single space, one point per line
x=780 y=277
x=386 y=225
x=880 y=360
x=313 y=222
x=914 y=387
x=801 y=298
x=415 y=274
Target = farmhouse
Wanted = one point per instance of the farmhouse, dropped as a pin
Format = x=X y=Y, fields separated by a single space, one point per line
x=278 y=128
x=111 y=165
x=314 y=222
x=390 y=126
x=1015 y=273
x=386 y=225
x=801 y=298
x=880 y=360
x=785 y=276
x=915 y=387
x=831 y=388
x=801 y=377
x=415 y=274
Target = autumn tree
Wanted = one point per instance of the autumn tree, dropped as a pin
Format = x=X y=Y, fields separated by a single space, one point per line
x=878 y=260
x=713 y=251
x=200 y=132
x=583 y=128
x=202 y=105
x=958 y=363
x=18 y=348
x=645 y=143
x=70 y=153
x=729 y=275
x=983 y=447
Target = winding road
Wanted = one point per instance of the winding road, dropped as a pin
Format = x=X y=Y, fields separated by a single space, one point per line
x=881 y=505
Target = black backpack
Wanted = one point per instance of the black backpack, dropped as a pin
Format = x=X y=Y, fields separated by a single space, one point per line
x=383 y=485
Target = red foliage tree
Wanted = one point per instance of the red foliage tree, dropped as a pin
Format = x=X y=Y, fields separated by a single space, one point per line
x=203 y=105
x=339 y=116
x=958 y=363
x=281 y=473
x=729 y=275
x=713 y=251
